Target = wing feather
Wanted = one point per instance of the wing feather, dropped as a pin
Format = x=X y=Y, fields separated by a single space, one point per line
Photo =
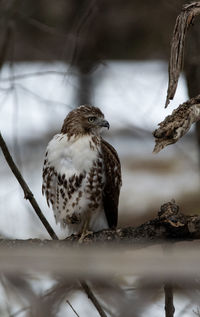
x=112 y=183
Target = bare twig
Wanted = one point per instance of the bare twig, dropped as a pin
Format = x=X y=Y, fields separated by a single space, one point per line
x=183 y=21
x=174 y=126
x=72 y=308
x=93 y=299
x=169 y=306
x=27 y=192
x=35 y=74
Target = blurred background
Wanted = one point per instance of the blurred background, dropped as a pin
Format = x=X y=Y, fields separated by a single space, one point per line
x=56 y=55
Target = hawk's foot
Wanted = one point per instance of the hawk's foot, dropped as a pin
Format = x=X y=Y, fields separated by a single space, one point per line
x=84 y=234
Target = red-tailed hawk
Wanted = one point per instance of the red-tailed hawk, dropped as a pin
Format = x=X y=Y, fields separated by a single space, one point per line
x=82 y=173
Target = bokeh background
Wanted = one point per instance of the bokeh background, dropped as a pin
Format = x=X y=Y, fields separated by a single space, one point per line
x=56 y=55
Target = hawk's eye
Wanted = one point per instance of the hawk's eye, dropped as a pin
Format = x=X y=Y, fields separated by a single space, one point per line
x=91 y=119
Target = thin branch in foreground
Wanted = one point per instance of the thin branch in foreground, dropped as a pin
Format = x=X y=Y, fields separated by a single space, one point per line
x=183 y=22
x=93 y=298
x=174 y=126
x=169 y=305
x=29 y=195
x=72 y=308
x=27 y=192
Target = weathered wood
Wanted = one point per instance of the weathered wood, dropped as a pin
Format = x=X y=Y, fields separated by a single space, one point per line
x=174 y=126
x=170 y=224
x=183 y=22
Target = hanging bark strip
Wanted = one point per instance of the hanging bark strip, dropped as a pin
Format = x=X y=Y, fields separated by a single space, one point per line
x=183 y=22
x=174 y=126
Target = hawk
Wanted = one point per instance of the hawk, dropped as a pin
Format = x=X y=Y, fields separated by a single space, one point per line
x=82 y=174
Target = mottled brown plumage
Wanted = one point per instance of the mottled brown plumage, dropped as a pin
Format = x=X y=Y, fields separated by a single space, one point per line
x=82 y=173
x=112 y=184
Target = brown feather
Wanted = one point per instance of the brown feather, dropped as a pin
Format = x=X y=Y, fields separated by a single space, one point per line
x=113 y=183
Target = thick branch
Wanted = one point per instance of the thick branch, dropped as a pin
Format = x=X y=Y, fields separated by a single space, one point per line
x=183 y=21
x=170 y=224
x=174 y=126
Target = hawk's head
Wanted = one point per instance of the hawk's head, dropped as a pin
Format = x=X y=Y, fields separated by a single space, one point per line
x=84 y=120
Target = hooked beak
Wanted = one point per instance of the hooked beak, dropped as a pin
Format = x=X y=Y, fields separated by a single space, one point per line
x=104 y=123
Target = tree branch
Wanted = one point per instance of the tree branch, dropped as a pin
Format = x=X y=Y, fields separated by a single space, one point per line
x=169 y=224
x=174 y=126
x=68 y=302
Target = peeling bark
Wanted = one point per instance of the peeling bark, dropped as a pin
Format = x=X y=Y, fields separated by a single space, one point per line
x=183 y=22
x=174 y=126
x=170 y=223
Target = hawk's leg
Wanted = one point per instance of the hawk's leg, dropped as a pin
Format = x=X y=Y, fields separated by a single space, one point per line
x=85 y=231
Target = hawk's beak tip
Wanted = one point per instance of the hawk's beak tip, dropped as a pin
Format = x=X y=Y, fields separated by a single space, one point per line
x=105 y=123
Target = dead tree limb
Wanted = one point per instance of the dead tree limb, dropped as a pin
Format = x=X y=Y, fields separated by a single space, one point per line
x=174 y=126
x=183 y=22
x=170 y=225
x=29 y=195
